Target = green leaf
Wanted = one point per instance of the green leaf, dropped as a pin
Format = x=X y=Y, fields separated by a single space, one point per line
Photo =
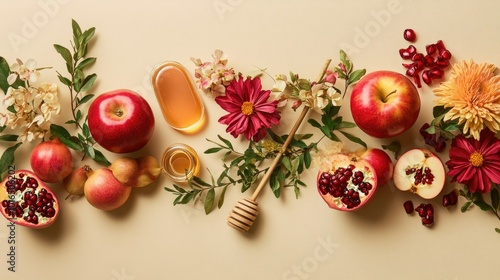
x=227 y=142
x=2 y=128
x=354 y=139
x=200 y=181
x=209 y=201
x=327 y=132
x=345 y=124
x=7 y=158
x=307 y=158
x=8 y=137
x=66 y=55
x=495 y=198
x=314 y=123
x=439 y=111
x=213 y=150
x=88 y=82
x=89 y=150
x=4 y=73
x=59 y=131
x=64 y=80
x=221 y=197
x=85 y=99
x=287 y=163
x=394 y=147
x=497 y=230
x=355 y=76
x=304 y=84
x=275 y=137
x=100 y=158
x=77 y=31
x=86 y=62
x=275 y=184
x=73 y=143
x=86 y=130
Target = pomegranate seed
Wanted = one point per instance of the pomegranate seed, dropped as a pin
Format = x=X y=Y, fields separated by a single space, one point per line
x=409 y=35
x=418 y=57
x=440 y=46
x=441 y=62
x=412 y=71
x=408 y=205
x=436 y=73
x=426 y=77
x=431 y=49
x=416 y=80
x=429 y=61
x=408 y=52
x=446 y=54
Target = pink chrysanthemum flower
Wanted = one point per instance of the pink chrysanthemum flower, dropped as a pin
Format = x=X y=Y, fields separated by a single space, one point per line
x=250 y=112
x=475 y=163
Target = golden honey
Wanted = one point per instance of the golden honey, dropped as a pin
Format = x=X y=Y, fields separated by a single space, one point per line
x=179 y=101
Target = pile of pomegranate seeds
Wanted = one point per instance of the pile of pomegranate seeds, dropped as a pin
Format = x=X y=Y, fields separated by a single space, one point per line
x=424 y=210
x=430 y=65
x=451 y=198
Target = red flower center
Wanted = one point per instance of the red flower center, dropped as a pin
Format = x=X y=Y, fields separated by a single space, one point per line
x=247 y=108
x=476 y=159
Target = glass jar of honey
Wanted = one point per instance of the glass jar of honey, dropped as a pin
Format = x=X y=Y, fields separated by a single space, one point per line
x=180 y=162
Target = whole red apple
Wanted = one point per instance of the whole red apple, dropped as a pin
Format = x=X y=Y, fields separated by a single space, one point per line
x=385 y=104
x=121 y=121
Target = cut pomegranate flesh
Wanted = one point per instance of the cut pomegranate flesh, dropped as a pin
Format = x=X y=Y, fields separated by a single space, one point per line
x=26 y=201
x=348 y=185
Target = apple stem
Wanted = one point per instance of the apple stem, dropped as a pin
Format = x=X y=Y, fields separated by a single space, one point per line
x=390 y=93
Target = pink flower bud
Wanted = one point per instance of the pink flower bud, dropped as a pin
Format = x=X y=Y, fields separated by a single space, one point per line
x=296 y=104
x=331 y=77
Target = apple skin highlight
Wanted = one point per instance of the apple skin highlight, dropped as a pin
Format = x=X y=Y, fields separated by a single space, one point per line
x=385 y=104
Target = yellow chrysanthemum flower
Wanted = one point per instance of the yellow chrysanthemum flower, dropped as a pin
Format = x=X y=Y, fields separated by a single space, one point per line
x=473 y=94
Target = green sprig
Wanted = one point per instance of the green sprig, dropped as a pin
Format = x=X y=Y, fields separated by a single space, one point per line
x=478 y=199
x=78 y=84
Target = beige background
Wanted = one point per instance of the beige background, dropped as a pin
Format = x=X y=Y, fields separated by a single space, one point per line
x=293 y=238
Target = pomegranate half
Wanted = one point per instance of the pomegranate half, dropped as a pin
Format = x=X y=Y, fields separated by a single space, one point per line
x=347 y=183
x=27 y=201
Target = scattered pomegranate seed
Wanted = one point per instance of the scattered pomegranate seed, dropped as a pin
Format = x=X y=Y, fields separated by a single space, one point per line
x=451 y=198
x=408 y=205
x=427 y=66
x=410 y=35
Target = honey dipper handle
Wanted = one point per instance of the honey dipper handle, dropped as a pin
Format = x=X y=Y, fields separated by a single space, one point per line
x=277 y=159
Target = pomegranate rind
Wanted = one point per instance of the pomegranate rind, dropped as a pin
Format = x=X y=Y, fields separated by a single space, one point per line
x=341 y=160
x=419 y=158
x=6 y=194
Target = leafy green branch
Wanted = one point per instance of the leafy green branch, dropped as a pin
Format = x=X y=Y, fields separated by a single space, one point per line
x=78 y=84
x=478 y=200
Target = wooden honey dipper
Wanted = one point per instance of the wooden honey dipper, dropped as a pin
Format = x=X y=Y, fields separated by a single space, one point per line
x=246 y=210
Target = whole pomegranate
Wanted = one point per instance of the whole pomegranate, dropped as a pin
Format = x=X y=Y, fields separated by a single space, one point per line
x=103 y=191
x=347 y=183
x=27 y=201
x=51 y=161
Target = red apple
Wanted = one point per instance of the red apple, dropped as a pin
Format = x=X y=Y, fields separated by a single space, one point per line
x=121 y=121
x=384 y=104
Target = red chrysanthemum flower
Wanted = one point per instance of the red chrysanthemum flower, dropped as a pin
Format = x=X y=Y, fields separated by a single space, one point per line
x=250 y=112
x=475 y=163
